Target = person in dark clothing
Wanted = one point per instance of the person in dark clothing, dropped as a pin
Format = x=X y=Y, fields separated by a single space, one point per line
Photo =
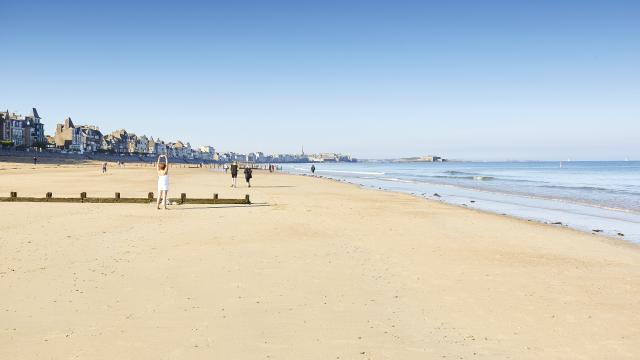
x=35 y=160
x=104 y=168
x=313 y=169
x=248 y=175
x=234 y=174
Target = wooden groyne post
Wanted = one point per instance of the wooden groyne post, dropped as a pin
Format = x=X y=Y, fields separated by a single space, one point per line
x=117 y=198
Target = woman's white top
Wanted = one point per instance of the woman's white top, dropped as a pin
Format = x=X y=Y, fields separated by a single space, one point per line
x=163 y=182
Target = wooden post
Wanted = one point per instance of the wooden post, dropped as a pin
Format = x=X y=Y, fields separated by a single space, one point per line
x=49 y=196
x=150 y=197
x=83 y=195
x=14 y=194
x=183 y=198
x=215 y=196
x=117 y=196
x=246 y=199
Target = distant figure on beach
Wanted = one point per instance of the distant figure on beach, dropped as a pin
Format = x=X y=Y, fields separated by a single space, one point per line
x=248 y=175
x=104 y=167
x=163 y=180
x=234 y=174
x=226 y=168
x=35 y=160
x=313 y=169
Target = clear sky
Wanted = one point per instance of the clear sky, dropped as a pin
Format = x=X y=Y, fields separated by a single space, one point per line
x=462 y=79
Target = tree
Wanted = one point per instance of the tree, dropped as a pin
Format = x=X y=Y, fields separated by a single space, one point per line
x=40 y=145
x=6 y=144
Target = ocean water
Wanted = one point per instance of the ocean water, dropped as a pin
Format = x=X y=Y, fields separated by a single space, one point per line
x=585 y=195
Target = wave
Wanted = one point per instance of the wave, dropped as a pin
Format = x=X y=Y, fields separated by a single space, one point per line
x=564 y=187
x=454 y=172
x=575 y=201
x=473 y=177
x=350 y=172
x=592 y=188
x=397 y=180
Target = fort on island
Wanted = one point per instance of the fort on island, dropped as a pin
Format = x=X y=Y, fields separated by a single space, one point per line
x=26 y=133
x=428 y=158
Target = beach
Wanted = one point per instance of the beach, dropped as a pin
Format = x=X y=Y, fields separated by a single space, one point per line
x=313 y=269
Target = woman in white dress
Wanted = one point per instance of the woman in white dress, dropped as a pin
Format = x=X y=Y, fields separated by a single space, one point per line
x=163 y=180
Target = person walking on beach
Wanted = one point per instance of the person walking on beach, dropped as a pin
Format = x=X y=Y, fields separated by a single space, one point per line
x=226 y=168
x=248 y=175
x=104 y=168
x=234 y=174
x=163 y=180
x=313 y=169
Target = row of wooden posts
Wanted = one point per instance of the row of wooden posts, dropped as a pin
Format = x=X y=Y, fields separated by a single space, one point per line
x=13 y=197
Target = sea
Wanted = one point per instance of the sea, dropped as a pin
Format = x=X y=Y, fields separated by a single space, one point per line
x=601 y=197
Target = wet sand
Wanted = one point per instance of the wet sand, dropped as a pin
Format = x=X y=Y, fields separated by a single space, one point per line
x=314 y=269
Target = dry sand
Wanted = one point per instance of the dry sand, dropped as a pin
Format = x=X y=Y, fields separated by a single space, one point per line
x=315 y=269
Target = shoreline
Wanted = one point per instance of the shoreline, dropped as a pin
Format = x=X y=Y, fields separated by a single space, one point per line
x=616 y=239
x=585 y=217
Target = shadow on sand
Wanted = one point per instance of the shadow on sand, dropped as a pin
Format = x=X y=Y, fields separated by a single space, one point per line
x=220 y=207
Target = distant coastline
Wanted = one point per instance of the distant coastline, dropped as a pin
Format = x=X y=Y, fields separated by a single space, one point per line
x=419 y=159
x=414 y=159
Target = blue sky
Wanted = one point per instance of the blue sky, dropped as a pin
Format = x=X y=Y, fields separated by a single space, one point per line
x=463 y=79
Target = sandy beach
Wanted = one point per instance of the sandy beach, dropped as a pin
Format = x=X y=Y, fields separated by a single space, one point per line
x=313 y=269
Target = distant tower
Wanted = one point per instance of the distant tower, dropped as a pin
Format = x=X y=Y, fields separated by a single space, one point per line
x=302 y=150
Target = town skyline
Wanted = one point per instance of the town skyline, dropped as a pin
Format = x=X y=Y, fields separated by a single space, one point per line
x=50 y=128
x=26 y=132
